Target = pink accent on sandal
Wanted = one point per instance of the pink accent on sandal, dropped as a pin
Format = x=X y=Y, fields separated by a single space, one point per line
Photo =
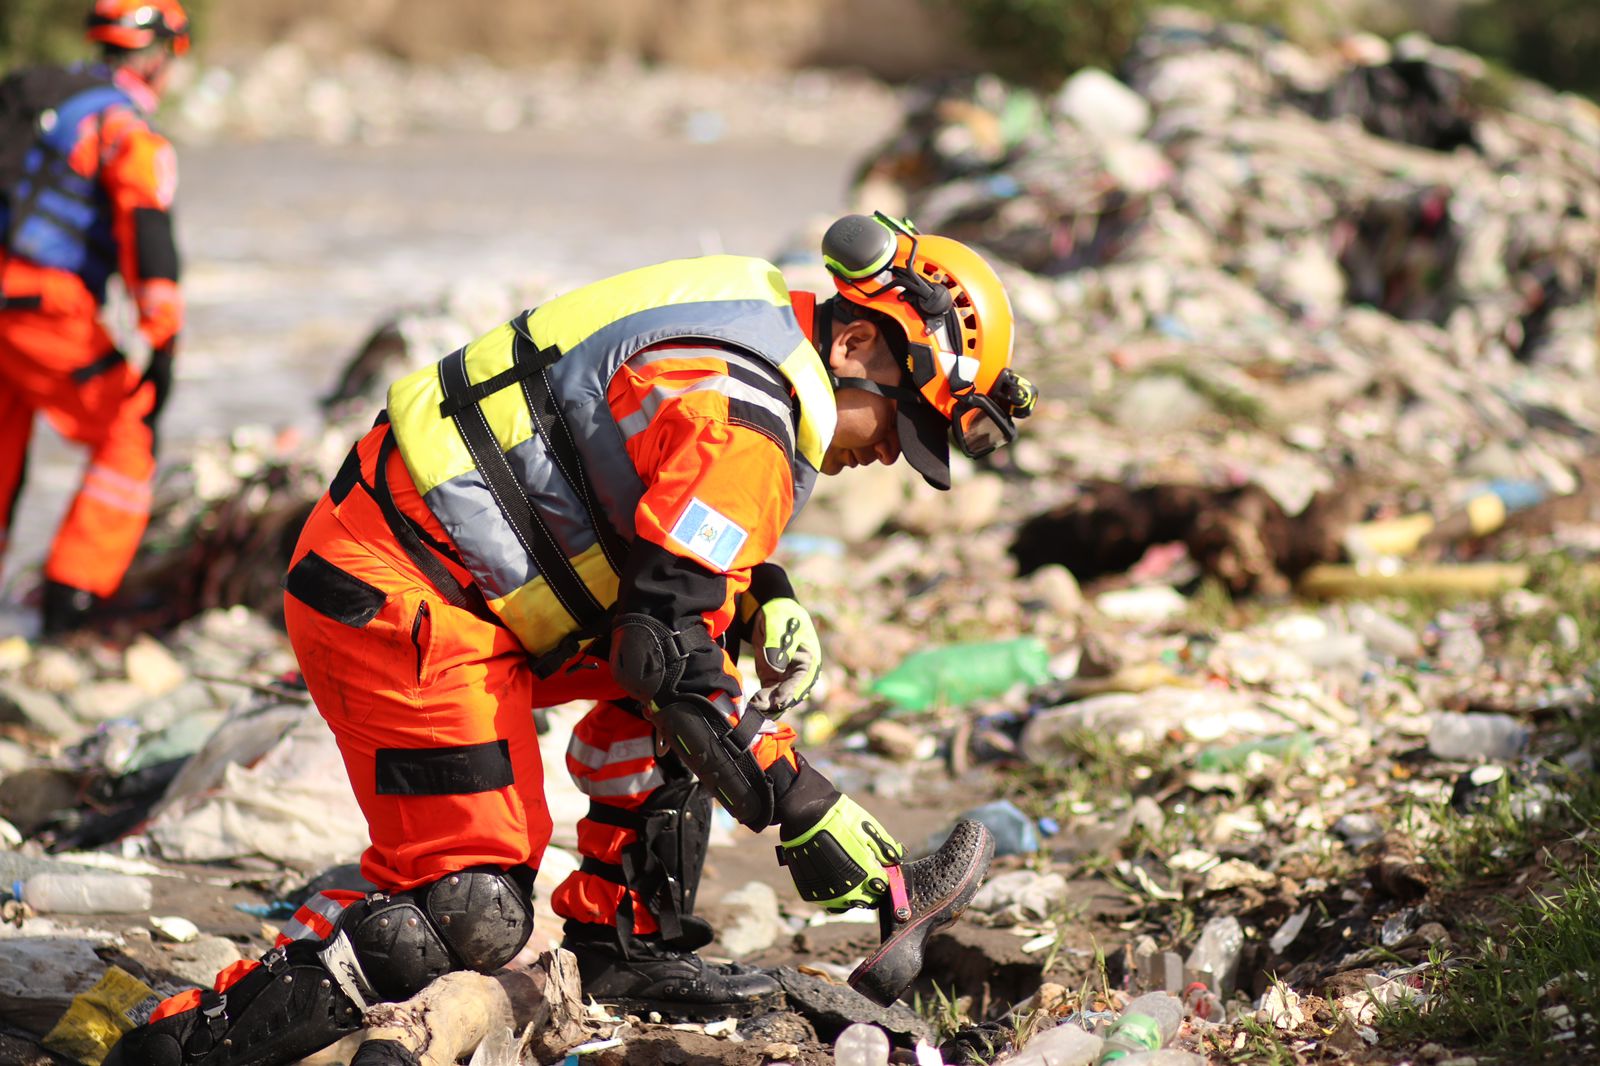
x=898 y=894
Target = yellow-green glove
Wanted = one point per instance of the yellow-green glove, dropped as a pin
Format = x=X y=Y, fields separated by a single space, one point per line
x=788 y=655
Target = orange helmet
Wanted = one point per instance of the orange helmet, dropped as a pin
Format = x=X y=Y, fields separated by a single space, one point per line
x=959 y=332
x=135 y=24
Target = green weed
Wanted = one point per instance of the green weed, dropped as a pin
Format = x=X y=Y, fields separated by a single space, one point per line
x=1250 y=1043
x=1527 y=988
x=946 y=1013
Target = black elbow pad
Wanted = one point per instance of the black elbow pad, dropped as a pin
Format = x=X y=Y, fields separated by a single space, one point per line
x=649 y=660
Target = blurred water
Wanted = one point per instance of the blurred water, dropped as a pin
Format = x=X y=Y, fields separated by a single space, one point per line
x=293 y=251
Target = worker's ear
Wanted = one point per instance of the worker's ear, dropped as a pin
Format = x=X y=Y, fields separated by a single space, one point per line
x=853 y=345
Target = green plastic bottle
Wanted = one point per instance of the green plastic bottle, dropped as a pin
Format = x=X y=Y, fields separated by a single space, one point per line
x=1148 y=1024
x=957 y=674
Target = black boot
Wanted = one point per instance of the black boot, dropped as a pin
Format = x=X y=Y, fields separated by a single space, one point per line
x=64 y=609
x=924 y=896
x=675 y=983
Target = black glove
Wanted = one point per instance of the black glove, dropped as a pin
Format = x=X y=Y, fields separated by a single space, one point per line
x=158 y=374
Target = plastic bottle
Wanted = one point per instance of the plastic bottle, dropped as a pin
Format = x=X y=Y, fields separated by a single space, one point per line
x=1204 y=1003
x=1148 y=1024
x=861 y=1045
x=85 y=893
x=1014 y=832
x=1472 y=736
x=1215 y=958
x=1064 y=1045
x=960 y=673
x=1167 y=1056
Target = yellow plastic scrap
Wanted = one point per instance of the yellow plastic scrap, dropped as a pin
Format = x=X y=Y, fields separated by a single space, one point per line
x=96 y=1019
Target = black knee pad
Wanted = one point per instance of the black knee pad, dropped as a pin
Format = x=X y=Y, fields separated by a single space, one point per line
x=472 y=920
x=484 y=915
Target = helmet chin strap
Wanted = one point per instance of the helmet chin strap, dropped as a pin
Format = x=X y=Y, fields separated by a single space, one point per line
x=899 y=393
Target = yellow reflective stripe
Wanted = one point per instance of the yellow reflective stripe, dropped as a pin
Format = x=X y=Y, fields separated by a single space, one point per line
x=431 y=446
x=569 y=319
x=534 y=614
x=818 y=415
x=507 y=409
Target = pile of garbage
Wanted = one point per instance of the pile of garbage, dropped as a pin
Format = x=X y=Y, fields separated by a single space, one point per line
x=1291 y=312
x=1369 y=271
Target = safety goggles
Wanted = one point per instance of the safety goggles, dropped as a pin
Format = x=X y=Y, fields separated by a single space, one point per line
x=978 y=427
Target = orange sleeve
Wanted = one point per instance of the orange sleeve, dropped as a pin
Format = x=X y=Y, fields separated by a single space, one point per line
x=140 y=176
x=718 y=494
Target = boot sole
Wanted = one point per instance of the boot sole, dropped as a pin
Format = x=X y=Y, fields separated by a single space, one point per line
x=676 y=1010
x=885 y=974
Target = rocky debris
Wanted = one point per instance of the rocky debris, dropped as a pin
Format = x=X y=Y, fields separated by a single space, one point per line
x=831 y=1006
x=1289 y=310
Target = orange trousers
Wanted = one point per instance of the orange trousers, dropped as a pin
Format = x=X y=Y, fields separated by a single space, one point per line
x=66 y=368
x=432 y=708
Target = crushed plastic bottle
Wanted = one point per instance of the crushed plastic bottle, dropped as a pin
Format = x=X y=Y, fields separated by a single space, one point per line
x=958 y=674
x=1147 y=1024
x=1063 y=1045
x=1215 y=959
x=861 y=1045
x=85 y=893
x=1014 y=832
x=1475 y=736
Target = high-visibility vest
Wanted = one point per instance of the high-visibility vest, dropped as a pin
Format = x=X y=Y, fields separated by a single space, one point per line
x=513 y=447
x=50 y=214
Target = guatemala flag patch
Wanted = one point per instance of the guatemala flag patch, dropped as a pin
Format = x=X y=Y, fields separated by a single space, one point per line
x=709 y=534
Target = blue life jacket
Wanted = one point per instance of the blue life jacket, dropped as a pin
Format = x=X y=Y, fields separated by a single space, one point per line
x=50 y=214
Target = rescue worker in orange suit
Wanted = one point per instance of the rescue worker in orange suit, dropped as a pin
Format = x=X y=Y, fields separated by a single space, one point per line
x=581 y=504
x=93 y=198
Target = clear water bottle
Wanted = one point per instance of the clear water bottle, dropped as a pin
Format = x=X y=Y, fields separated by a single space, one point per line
x=861 y=1045
x=1475 y=736
x=1148 y=1024
x=1064 y=1045
x=85 y=893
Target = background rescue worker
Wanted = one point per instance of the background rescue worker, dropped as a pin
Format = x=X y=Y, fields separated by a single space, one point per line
x=91 y=197
x=579 y=504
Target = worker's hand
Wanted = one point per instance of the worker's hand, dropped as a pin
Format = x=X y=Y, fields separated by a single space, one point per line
x=788 y=655
x=159 y=375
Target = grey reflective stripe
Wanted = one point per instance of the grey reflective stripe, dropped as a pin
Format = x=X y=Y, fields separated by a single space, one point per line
x=640 y=420
x=622 y=751
x=329 y=910
x=626 y=785
x=489 y=546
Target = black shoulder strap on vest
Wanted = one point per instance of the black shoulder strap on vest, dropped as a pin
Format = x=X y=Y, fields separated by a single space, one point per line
x=552 y=426
x=467 y=597
x=515 y=507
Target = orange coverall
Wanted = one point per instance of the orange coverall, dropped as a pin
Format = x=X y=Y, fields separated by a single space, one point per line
x=58 y=359
x=408 y=670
